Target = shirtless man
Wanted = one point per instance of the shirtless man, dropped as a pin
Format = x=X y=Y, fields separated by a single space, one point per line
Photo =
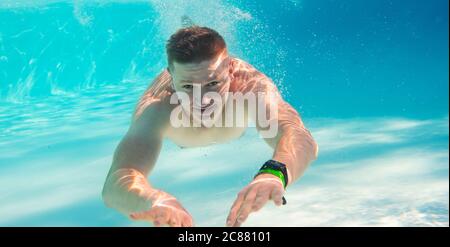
x=198 y=59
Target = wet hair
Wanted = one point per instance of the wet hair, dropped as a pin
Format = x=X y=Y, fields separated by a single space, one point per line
x=194 y=44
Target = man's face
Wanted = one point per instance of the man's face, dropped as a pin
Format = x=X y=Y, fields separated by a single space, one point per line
x=210 y=76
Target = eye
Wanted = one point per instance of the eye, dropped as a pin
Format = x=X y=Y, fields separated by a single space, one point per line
x=187 y=86
x=213 y=83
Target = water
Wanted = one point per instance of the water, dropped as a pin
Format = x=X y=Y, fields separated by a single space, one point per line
x=370 y=79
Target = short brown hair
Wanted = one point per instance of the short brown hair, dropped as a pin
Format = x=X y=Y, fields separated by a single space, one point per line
x=194 y=44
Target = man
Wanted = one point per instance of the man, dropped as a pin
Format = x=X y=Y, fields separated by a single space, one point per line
x=198 y=59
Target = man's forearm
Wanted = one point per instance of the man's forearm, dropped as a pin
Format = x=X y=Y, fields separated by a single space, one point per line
x=126 y=187
x=128 y=190
x=295 y=148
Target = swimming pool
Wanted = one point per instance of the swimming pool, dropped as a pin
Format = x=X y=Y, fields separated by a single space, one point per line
x=370 y=79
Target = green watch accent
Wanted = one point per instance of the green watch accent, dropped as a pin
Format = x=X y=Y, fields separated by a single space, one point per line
x=275 y=173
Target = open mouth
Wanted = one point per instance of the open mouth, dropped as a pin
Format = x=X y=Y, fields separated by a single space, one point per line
x=205 y=107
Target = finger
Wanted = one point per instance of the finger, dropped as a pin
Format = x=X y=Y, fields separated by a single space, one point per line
x=162 y=218
x=190 y=221
x=184 y=223
x=177 y=224
x=234 y=208
x=187 y=222
x=261 y=199
x=158 y=222
x=246 y=208
x=174 y=222
x=277 y=196
x=185 y=219
x=145 y=215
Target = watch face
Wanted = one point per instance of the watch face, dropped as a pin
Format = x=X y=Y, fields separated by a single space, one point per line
x=276 y=164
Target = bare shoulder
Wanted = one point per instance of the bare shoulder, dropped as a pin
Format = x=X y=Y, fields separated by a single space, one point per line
x=249 y=79
x=154 y=105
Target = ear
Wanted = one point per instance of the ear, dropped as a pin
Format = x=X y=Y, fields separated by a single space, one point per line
x=230 y=64
x=171 y=85
x=231 y=68
x=171 y=81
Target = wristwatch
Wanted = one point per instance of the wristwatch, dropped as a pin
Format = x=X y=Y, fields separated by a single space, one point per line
x=277 y=169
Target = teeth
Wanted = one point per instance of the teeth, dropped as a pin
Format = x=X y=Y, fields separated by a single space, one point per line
x=203 y=108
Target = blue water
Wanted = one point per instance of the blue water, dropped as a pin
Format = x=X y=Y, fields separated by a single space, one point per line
x=369 y=78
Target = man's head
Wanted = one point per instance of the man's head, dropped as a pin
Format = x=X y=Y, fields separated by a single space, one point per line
x=193 y=44
x=198 y=58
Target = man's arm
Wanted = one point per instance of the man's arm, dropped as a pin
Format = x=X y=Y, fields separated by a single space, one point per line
x=127 y=188
x=293 y=144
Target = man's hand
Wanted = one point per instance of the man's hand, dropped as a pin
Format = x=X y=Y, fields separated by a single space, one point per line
x=254 y=196
x=165 y=210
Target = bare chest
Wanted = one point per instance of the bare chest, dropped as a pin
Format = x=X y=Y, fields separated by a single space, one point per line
x=196 y=136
